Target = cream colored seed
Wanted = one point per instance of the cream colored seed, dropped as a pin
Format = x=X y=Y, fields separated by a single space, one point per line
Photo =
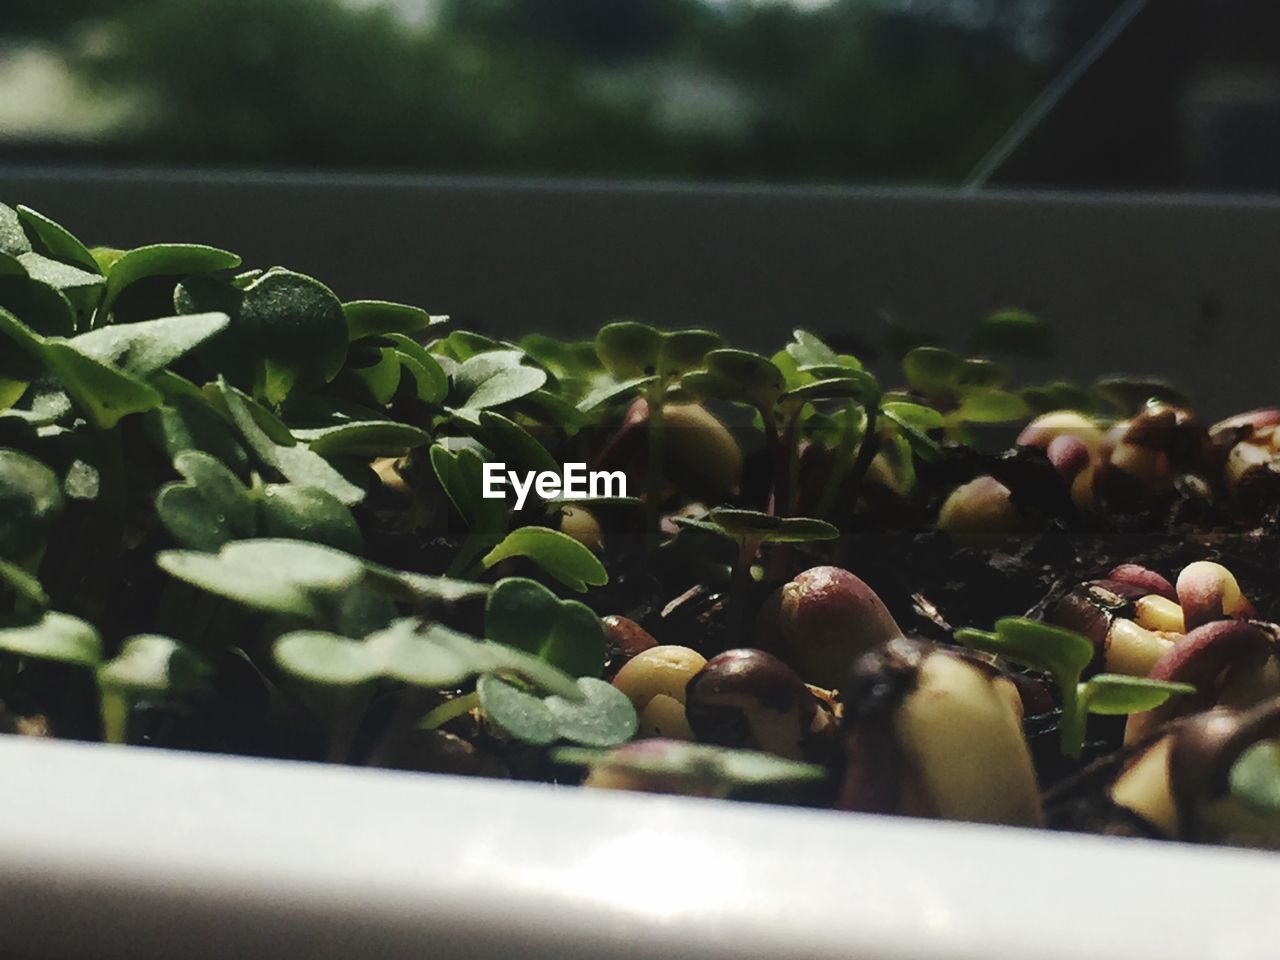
x=1146 y=465
x=658 y=671
x=961 y=735
x=664 y=717
x=1155 y=612
x=1132 y=650
x=1145 y=789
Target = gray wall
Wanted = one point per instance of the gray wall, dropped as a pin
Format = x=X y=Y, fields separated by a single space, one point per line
x=1186 y=287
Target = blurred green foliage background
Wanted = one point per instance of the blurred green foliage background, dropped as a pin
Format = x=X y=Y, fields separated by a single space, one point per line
x=846 y=90
x=904 y=91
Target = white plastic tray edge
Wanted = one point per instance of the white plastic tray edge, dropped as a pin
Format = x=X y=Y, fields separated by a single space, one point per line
x=117 y=852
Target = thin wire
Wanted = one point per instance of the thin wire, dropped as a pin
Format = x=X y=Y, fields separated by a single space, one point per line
x=1049 y=98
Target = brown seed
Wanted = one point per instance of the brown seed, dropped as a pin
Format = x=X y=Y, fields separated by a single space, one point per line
x=1203 y=659
x=1243 y=425
x=1069 y=456
x=821 y=621
x=1090 y=608
x=750 y=699
x=627 y=636
x=1148 y=580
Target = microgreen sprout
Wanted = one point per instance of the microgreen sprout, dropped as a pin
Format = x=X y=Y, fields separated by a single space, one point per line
x=1064 y=655
x=242 y=512
x=646 y=360
x=750 y=530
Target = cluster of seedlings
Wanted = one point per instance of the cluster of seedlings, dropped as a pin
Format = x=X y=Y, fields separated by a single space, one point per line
x=239 y=514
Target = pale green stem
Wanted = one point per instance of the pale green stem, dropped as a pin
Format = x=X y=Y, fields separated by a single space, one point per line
x=449 y=710
x=657 y=453
x=114 y=705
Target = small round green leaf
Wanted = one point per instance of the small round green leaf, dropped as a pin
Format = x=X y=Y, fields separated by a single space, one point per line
x=162 y=260
x=77 y=284
x=55 y=636
x=210 y=509
x=855 y=385
x=300 y=327
x=1065 y=652
x=932 y=370
x=611 y=391
x=984 y=373
x=465 y=344
x=44 y=309
x=806 y=350
x=429 y=377
x=738 y=375
x=326 y=658
x=460 y=475
x=297 y=463
x=294 y=512
x=526 y=615
x=1255 y=778
x=604 y=717
x=371 y=318
x=189 y=423
x=13 y=239
x=514 y=445
x=30 y=500
x=191 y=520
x=375 y=438
x=920 y=417
x=629 y=349
x=557 y=553
x=522 y=715
x=105 y=394
x=405 y=653
x=420 y=588
x=281 y=576
x=990 y=405
x=381 y=379
x=56 y=241
x=149 y=346
x=494 y=378
x=1115 y=695
x=488 y=656
x=152 y=664
x=683 y=350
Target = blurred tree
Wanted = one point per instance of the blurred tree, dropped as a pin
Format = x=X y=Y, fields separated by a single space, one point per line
x=595 y=30
x=853 y=90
